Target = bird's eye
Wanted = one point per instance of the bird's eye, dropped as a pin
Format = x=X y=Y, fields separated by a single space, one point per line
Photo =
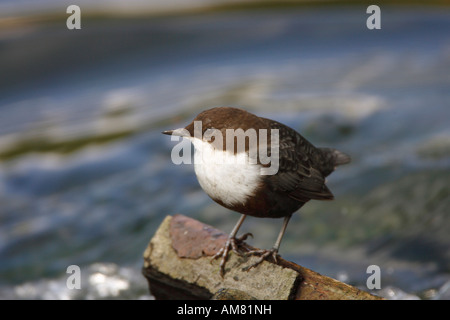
x=210 y=134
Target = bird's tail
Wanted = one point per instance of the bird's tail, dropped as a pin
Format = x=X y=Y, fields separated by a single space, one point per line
x=334 y=158
x=337 y=157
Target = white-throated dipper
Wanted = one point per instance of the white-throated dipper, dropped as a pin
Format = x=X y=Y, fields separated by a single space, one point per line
x=257 y=167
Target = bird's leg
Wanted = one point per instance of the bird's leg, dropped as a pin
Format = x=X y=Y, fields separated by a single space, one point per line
x=233 y=243
x=264 y=254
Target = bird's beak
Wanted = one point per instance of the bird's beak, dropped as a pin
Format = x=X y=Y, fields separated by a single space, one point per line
x=168 y=132
x=182 y=132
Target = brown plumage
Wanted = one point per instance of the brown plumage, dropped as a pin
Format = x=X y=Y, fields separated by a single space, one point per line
x=302 y=169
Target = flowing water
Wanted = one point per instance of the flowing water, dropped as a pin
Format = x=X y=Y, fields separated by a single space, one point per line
x=86 y=176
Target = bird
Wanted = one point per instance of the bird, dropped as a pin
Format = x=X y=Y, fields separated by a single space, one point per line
x=232 y=149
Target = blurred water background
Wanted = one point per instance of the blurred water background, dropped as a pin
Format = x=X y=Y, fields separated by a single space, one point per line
x=86 y=177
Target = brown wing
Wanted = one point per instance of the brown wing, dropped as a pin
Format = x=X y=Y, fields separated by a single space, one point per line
x=297 y=175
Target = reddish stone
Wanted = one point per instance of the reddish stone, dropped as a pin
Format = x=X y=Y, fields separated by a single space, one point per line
x=193 y=239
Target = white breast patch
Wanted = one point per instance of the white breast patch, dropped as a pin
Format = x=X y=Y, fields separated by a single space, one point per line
x=224 y=176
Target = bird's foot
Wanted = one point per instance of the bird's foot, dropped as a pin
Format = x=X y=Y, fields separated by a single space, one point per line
x=235 y=244
x=263 y=255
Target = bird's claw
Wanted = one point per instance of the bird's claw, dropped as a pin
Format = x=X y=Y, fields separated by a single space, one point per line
x=235 y=245
x=263 y=255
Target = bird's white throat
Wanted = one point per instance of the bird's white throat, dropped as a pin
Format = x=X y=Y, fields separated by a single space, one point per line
x=223 y=175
